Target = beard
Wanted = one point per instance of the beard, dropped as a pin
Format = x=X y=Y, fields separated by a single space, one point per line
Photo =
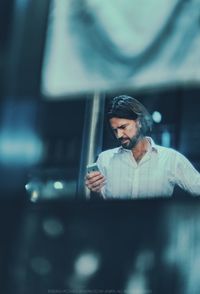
x=130 y=143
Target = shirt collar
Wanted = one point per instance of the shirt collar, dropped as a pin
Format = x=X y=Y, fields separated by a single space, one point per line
x=153 y=147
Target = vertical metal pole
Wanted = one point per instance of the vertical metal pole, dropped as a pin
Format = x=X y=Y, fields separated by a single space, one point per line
x=92 y=139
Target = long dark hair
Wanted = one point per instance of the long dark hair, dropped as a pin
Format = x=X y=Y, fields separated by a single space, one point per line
x=127 y=107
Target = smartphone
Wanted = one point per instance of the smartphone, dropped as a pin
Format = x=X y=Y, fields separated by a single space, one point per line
x=92 y=168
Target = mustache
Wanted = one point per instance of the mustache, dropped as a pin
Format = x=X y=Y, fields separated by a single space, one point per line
x=121 y=140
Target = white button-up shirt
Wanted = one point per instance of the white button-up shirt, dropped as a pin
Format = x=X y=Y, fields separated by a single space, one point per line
x=155 y=175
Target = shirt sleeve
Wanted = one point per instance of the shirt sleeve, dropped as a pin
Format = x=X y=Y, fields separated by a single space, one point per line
x=101 y=168
x=186 y=176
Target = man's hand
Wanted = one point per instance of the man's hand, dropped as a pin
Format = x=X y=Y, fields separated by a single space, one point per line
x=95 y=181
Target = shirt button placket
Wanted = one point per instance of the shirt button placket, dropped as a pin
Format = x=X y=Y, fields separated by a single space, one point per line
x=135 y=186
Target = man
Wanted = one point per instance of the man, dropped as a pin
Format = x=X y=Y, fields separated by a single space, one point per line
x=139 y=168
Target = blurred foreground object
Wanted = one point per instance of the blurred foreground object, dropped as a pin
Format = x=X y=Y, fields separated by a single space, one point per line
x=92 y=247
x=112 y=44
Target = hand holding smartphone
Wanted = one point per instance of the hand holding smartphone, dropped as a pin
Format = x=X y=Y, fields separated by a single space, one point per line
x=94 y=182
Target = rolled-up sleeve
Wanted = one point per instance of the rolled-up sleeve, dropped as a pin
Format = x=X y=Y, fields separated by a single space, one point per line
x=186 y=176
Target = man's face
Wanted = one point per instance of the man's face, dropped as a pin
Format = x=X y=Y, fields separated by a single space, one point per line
x=127 y=131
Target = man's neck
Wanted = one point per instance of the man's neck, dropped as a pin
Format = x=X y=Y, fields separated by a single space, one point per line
x=140 y=149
